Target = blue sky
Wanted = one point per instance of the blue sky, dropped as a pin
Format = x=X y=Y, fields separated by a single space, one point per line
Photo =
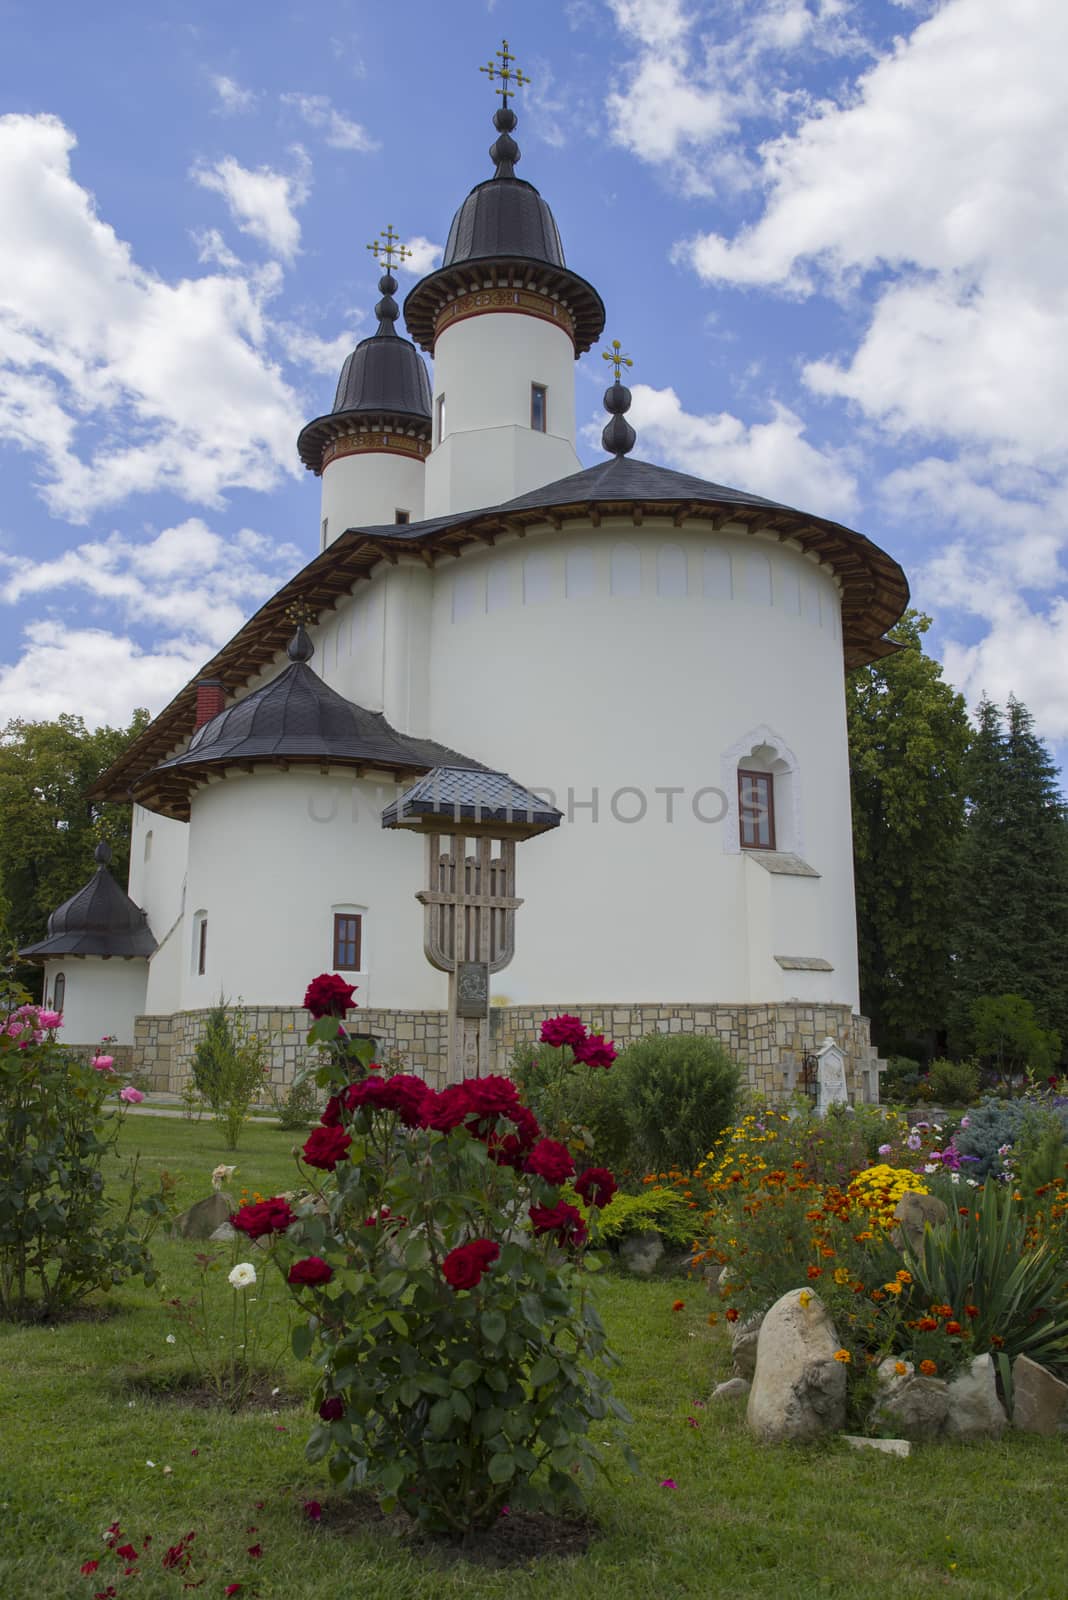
x=831 y=233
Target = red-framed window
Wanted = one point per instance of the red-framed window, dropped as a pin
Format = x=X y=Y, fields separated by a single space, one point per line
x=756 y=810
x=348 y=941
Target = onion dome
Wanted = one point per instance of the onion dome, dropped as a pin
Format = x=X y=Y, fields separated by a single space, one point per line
x=504 y=238
x=100 y=920
x=383 y=390
x=295 y=720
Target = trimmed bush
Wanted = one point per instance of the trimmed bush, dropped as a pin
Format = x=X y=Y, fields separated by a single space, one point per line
x=953 y=1083
x=674 y=1093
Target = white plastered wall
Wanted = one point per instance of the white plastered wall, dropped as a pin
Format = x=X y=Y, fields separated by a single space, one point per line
x=367 y=491
x=485 y=366
x=101 y=997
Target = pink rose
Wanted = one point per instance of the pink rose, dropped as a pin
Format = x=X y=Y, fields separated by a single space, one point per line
x=132 y=1096
x=50 y=1019
x=102 y=1063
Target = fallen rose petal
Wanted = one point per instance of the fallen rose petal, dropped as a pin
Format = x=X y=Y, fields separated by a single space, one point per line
x=313 y=1510
x=668 y=1483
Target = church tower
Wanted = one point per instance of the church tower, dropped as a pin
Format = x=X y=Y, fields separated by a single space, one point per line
x=370 y=449
x=505 y=319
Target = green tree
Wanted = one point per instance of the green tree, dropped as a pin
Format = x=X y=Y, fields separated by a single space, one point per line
x=48 y=825
x=1011 y=902
x=1008 y=1036
x=908 y=736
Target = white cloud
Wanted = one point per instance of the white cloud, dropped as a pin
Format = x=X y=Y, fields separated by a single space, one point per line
x=233 y=99
x=772 y=458
x=102 y=675
x=117 y=381
x=338 y=131
x=696 y=76
x=309 y=350
x=423 y=256
x=213 y=250
x=262 y=203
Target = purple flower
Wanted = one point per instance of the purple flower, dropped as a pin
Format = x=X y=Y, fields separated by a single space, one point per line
x=914 y=1141
x=886 y=1149
x=668 y=1483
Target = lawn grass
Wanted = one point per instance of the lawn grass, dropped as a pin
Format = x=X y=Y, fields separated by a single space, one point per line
x=744 y=1521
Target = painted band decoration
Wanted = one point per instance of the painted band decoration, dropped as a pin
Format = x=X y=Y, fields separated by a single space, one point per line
x=524 y=301
x=358 y=444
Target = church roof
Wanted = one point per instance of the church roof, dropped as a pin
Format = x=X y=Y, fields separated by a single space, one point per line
x=383 y=385
x=874 y=589
x=295 y=719
x=100 y=920
x=458 y=794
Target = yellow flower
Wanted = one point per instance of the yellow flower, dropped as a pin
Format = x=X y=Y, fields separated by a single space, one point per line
x=804 y=1299
x=841 y=1274
x=892 y=1288
x=843 y=1356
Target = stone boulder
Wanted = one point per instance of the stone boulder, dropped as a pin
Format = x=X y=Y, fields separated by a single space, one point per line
x=733 y=1389
x=744 y=1337
x=975 y=1412
x=914 y=1407
x=799 y=1389
x=640 y=1253
x=912 y=1214
x=202 y=1219
x=1039 y=1400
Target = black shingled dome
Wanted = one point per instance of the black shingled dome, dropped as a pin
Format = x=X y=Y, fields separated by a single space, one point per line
x=383 y=383
x=504 y=217
x=296 y=718
x=100 y=920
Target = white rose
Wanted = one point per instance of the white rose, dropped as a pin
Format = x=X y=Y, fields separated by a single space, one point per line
x=243 y=1275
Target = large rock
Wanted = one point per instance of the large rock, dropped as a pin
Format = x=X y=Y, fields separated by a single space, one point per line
x=975 y=1412
x=915 y=1408
x=799 y=1389
x=732 y=1389
x=1039 y=1400
x=912 y=1214
x=202 y=1219
x=744 y=1338
x=640 y=1252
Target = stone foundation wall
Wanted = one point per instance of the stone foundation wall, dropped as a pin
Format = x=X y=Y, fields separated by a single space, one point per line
x=769 y=1040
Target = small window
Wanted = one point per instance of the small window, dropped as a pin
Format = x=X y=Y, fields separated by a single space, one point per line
x=59 y=991
x=402 y=517
x=539 y=407
x=148 y=845
x=202 y=946
x=756 y=810
x=439 y=414
x=348 y=938
x=323 y=532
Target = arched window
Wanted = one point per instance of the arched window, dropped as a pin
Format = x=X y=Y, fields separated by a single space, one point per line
x=761 y=784
x=59 y=991
x=200 y=944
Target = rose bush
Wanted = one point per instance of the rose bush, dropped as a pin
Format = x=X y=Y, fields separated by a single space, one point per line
x=443 y=1286
x=61 y=1236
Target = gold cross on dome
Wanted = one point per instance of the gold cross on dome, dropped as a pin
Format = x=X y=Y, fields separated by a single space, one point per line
x=388 y=249
x=617 y=358
x=300 y=614
x=510 y=81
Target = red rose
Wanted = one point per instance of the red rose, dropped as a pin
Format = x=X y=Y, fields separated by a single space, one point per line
x=563 y=1030
x=325 y=1147
x=332 y=1409
x=596 y=1186
x=265 y=1216
x=329 y=996
x=562 y=1220
x=311 y=1272
x=463 y=1267
x=508 y=1150
x=406 y=1094
x=596 y=1051
x=550 y=1160
x=447 y=1108
x=89 y=1567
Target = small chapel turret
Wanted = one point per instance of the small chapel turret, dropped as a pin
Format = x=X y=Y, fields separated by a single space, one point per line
x=505 y=319
x=370 y=449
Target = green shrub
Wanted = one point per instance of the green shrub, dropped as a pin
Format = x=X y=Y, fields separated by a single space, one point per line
x=674 y=1093
x=982 y=1259
x=298 y=1106
x=653 y=1211
x=1009 y=1036
x=996 y=1125
x=953 y=1083
x=573 y=1103
x=230 y=1069
x=61 y=1237
x=901 y=1080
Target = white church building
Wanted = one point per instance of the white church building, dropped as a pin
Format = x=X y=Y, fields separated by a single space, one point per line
x=658 y=659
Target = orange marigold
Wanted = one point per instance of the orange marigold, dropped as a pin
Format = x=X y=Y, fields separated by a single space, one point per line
x=952 y=1327
x=928 y=1368
x=678 y=1305
x=843 y=1356
x=731 y=1314
x=927 y=1324
x=815 y=1272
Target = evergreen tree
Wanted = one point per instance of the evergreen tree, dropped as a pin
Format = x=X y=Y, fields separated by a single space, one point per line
x=908 y=735
x=1012 y=880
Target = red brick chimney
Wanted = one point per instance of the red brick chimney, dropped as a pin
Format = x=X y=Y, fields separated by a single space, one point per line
x=211 y=699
